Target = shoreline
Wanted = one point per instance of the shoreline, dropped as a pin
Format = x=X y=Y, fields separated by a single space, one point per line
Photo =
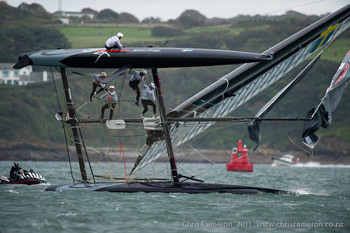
x=207 y=156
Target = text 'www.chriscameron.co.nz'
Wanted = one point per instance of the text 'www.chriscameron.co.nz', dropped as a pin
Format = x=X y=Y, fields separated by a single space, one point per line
x=259 y=224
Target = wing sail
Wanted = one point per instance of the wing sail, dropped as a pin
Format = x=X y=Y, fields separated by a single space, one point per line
x=242 y=84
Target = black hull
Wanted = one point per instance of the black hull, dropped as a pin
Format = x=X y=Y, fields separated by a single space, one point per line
x=137 y=58
x=165 y=187
x=27 y=182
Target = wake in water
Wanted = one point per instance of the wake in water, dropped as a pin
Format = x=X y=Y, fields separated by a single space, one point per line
x=317 y=164
x=304 y=191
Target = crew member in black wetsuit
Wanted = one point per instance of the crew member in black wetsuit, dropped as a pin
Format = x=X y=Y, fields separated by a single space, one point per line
x=15 y=170
x=136 y=78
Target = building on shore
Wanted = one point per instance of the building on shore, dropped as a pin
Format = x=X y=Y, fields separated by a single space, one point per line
x=23 y=76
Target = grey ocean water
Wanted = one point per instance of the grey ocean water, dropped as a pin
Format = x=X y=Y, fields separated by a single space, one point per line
x=319 y=202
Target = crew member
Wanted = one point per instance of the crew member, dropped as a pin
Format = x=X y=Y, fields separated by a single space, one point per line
x=114 y=42
x=146 y=94
x=97 y=82
x=135 y=79
x=15 y=171
x=111 y=101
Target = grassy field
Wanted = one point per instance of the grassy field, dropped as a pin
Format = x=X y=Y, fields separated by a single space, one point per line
x=225 y=28
x=336 y=52
x=95 y=36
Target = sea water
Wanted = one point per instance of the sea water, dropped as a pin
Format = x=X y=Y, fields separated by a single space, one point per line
x=319 y=202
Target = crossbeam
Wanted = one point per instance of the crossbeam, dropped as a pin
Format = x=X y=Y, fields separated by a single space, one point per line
x=198 y=119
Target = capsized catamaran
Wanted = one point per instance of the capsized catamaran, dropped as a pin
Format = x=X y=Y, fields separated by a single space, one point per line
x=208 y=106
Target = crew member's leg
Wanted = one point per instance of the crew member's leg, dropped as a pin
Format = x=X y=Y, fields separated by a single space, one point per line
x=103 y=110
x=154 y=106
x=144 y=104
x=112 y=106
x=135 y=87
x=94 y=86
x=101 y=89
x=107 y=48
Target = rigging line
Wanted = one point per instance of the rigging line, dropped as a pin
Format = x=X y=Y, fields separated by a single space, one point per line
x=103 y=154
x=140 y=128
x=82 y=106
x=200 y=154
x=212 y=163
x=288 y=8
x=106 y=155
x=122 y=151
x=120 y=96
x=290 y=138
x=109 y=151
x=300 y=147
x=63 y=127
x=86 y=153
x=83 y=114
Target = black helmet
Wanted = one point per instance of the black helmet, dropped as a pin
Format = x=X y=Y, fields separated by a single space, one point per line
x=16 y=164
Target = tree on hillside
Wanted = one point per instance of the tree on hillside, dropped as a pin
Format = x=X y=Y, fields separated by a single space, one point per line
x=166 y=31
x=127 y=18
x=107 y=14
x=191 y=18
x=89 y=11
x=24 y=14
x=32 y=8
x=151 y=20
x=17 y=40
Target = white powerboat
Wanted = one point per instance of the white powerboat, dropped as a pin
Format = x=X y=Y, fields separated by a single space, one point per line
x=285 y=160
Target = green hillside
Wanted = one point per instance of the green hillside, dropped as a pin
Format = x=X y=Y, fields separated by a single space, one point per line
x=27 y=113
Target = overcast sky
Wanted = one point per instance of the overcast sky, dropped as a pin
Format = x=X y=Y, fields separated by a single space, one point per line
x=171 y=9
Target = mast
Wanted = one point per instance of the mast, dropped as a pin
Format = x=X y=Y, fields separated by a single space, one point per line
x=164 y=120
x=74 y=125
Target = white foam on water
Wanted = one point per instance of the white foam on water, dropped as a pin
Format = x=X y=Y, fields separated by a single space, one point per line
x=308 y=192
x=45 y=184
x=13 y=191
x=67 y=214
x=301 y=192
x=317 y=164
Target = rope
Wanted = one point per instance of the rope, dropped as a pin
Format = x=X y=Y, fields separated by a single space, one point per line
x=63 y=127
x=122 y=151
x=86 y=153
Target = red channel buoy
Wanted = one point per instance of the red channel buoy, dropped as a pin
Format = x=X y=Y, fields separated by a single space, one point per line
x=239 y=160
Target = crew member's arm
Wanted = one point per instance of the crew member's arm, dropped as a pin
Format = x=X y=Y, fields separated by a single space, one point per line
x=104 y=95
x=119 y=44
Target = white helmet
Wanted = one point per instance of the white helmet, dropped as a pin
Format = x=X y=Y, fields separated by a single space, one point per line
x=120 y=35
x=111 y=87
x=103 y=74
x=152 y=85
x=144 y=71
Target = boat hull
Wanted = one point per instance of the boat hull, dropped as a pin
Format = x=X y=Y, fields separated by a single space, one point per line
x=137 y=58
x=28 y=178
x=164 y=187
x=280 y=162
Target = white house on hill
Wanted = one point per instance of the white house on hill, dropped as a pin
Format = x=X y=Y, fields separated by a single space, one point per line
x=23 y=76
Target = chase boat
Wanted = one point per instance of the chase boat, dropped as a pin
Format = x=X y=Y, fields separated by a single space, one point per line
x=27 y=177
